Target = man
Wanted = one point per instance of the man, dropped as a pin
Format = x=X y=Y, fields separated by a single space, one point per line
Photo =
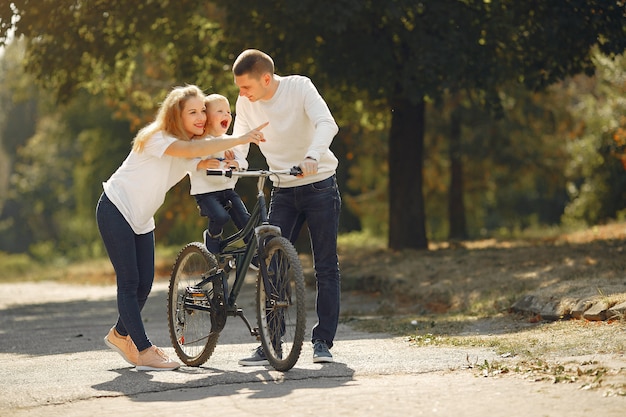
x=300 y=131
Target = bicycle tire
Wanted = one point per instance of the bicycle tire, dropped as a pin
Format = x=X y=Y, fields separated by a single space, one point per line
x=281 y=310
x=195 y=318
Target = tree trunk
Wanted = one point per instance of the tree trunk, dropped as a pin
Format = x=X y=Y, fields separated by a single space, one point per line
x=407 y=218
x=456 y=206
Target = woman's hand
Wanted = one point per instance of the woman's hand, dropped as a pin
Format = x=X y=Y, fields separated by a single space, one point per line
x=254 y=136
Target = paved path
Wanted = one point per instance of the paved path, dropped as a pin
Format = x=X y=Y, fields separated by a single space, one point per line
x=53 y=362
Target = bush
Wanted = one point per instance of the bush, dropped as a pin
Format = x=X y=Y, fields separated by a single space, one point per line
x=15 y=265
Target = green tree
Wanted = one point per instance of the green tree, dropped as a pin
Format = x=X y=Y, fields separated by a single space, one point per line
x=18 y=115
x=406 y=52
x=130 y=52
x=58 y=171
x=596 y=171
x=403 y=53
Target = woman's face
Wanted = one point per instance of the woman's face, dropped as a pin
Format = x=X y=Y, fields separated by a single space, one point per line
x=218 y=113
x=194 y=116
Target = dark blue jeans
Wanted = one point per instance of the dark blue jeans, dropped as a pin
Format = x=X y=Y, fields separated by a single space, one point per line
x=219 y=207
x=318 y=205
x=132 y=256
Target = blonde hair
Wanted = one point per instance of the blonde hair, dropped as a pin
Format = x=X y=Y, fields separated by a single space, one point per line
x=169 y=117
x=214 y=98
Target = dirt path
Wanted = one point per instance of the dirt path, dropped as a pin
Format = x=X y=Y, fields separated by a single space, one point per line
x=53 y=362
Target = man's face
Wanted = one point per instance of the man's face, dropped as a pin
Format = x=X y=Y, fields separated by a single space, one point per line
x=253 y=88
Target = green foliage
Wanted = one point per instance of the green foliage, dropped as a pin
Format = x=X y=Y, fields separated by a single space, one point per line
x=17 y=264
x=62 y=155
x=392 y=50
x=360 y=240
x=596 y=173
x=110 y=65
x=399 y=44
x=129 y=54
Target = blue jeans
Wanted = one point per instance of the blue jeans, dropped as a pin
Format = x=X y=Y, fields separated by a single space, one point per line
x=219 y=207
x=132 y=256
x=318 y=205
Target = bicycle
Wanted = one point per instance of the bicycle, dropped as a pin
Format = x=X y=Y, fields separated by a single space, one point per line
x=199 y=299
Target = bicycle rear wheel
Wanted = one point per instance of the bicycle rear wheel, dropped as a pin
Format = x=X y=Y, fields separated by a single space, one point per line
x=195 y=305
x=281 y=311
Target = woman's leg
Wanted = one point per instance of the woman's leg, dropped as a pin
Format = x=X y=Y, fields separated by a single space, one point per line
x=132 y=257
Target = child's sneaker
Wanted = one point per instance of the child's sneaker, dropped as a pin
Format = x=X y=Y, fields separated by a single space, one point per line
x=154 y=359
x=123 y=345
x=212 y=243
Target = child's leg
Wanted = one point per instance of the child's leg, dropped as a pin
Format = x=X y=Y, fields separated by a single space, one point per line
x=238 y=211
x=211 y=207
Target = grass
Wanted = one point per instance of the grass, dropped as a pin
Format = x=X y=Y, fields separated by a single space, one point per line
x=96 y=271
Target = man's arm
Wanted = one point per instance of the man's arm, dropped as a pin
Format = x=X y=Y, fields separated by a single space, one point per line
x=325 y=126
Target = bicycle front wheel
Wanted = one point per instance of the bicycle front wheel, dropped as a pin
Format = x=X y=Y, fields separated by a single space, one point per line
x=193 y=303
x=281 y=311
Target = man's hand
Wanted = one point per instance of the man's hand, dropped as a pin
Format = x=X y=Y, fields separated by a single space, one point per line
x=308 y=167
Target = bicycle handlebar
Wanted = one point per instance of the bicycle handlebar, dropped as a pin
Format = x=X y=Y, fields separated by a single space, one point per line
x=295 y=170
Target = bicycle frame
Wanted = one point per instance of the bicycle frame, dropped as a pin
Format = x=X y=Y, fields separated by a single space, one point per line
x=243 y=255
x=254 y=232
x=200 y=300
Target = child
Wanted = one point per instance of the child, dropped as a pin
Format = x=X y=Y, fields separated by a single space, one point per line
x=215 y=195
x=160 y=158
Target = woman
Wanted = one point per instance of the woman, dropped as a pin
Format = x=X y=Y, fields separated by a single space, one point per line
x=160 y=158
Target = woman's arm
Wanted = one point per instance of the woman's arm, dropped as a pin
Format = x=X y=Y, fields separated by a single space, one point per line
x=198 y=148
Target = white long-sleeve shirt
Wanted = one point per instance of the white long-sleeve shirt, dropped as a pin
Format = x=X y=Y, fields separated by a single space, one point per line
x=300 y=126
x=202 y=183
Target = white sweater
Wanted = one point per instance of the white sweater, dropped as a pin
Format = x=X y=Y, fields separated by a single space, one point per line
x=300 y=126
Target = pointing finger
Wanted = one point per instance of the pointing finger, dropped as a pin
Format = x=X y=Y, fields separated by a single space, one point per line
x=262 y=126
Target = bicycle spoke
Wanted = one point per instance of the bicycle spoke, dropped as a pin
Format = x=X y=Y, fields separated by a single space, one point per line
x=281 y=306
x=190 y=309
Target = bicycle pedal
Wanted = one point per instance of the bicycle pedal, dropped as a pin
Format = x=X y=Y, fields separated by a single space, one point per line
x=195 y=292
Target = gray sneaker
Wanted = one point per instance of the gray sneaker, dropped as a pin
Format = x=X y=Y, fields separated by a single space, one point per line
x=321 y=353
x=257 y=359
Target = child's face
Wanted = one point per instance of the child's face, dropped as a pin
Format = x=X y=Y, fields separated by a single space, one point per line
x=218 y=113
x=194 y=116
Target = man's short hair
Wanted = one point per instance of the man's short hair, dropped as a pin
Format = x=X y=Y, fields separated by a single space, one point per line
x=254 y=63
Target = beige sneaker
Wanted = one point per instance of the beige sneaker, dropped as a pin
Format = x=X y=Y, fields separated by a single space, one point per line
x=123 y=345
x=154 y=359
